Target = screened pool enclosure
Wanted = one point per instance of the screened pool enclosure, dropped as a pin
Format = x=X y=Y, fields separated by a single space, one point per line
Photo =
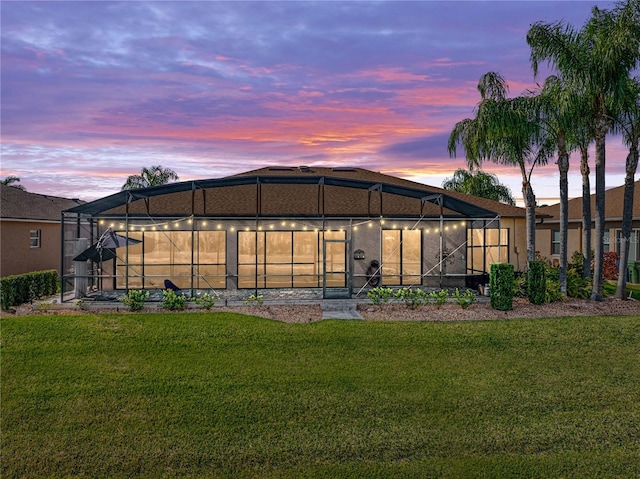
x=324 y=234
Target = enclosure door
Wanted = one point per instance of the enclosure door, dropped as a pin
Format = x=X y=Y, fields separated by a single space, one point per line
x=335 y=269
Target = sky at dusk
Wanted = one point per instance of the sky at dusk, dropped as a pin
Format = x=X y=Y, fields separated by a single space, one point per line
x=93 y=91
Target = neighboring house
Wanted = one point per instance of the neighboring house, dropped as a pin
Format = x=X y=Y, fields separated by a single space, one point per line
x=30 y=230
x=333 y=230
x=548 y=226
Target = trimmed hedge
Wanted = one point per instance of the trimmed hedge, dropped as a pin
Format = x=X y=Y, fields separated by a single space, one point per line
x=501 y=286
x=537 y=282
x=22 y=288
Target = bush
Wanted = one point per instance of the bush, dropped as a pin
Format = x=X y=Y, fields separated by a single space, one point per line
x=465 y=299
x=135 y=299
x=412 y=298
x=577 y=286
x=254 y=300
x=501 y=285
x=22 y=288
x=520 y=285
x=536 y=282
x=439 y=297
x=610 y=265
x=205 y=300
x=173 y=301
x=380 y=295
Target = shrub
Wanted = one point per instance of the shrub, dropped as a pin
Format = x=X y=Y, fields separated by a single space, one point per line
x=577 y=286
x=205 y=300
x=254 y=299
x=520 y=285
x=536 y=282
x=610 y=265
x=412 y=298
x=439 y=297
x=501 y=284
x=380 y=295
x=173 y=301
x=465 y=299
x=135 y=299
x=553 y=291
x=576 y=262
x=22 y=288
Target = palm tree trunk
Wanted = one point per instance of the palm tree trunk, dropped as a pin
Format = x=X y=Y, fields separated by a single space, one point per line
x=530 y=206
x=627 y=217
x=563 y=167
x=586 y=213
x=596 y=293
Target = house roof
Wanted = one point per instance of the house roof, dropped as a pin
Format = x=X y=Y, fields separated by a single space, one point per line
x=19 y=204
x=614 y=201
x=362 y=174
x=298 y=191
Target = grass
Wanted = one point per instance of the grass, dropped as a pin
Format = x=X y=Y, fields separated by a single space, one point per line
x=226 y=395
x=609 y=289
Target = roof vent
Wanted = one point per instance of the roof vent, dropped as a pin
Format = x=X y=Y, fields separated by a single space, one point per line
x=304 y=169
x=280 y=168
x=343 y=168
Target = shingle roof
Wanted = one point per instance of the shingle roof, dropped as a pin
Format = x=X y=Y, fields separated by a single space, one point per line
x=614 y=201
x=18 y=204
x=298 y=191
x=502 y=209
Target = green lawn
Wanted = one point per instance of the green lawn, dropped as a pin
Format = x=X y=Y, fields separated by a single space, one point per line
x=609 y=289
x=226 y=395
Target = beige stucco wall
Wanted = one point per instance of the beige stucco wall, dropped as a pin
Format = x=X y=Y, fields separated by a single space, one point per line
x=16 y=256
x=517 y=242
x=574 y=238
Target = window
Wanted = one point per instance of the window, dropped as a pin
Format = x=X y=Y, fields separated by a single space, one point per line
x=289 y=259
x=401 y=257
x=168 y=255
x=34 y=239
x=634 y=244
x=486 y=246
x=555 y=242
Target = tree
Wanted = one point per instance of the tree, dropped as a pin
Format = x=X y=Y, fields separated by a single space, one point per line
x=479 y=183
x=12 y=181
x=584 y=137
x=504 y=131
x=628 y=123
x=556 y=105
x=595 y=62
x=154 y=176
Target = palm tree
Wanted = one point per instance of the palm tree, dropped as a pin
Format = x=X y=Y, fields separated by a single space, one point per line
x=12 y=181
x=504 y=131
x=555 y=109
x=479 y=183
x=154 y=176
x=629 y=125
x=584 y=136
x=595 y=62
